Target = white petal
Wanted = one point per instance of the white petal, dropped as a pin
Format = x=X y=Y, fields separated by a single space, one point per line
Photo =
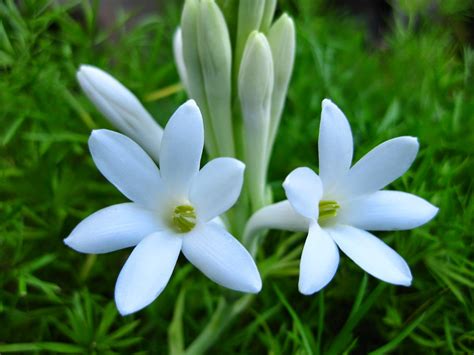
x=335 y=146
x=319 y=261
x=304 y=190
x=126 y=165
x=280 y=215
x=113 y=228
x=121 y=108
x=216 y=187
x=371 y=254
x=147 y=271
x=181 y=148
x=387 y=210
x=382 y=165
x=222 y=258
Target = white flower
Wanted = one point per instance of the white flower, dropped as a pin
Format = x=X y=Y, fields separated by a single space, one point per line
x=170 y=212
x=339 y=205
x=121 y=108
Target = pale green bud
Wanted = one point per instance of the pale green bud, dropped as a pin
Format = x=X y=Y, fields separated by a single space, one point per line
x=192 y=62
x=255 y=85
x=268 y=12
x=216 y=64
x=249 y=19
x=282 y=42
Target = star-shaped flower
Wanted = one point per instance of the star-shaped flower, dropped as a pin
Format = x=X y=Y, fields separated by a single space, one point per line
x=171 y=211
x=343 y=202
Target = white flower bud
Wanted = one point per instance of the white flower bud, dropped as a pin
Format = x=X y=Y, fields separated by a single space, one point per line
x=255 y=91
x=267 y=18
x=282 y=43
x=250 y=18
x=216 y=63
x=121 y=108
x=192 y=61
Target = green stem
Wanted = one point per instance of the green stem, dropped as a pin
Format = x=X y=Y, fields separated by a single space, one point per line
x=223 y=316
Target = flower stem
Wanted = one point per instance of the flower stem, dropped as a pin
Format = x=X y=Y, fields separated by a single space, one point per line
x=224 y=315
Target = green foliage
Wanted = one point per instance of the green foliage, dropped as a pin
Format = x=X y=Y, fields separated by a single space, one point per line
x=418 y=82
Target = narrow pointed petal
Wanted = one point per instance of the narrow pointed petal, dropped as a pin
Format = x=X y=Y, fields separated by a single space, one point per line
x=280 y=215
x=371 y=254
x=146 y=272
x=126 y=165
x=113 y=228
x=216 y=187
x=335 y=145
x=121 y=108
x=319 y=261
x=382 y=165
x=181 y=148
x=387 y=210
x=304 y=190
x=222 y=258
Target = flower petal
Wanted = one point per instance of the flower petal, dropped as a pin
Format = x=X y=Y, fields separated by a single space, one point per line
x=217 y=187
x=335 y=146
x=319 y=261
x=147 y=271
x=181 y=148
x=371 y=254
x=113 y=228
x=126 y=165
x=304 y=190
x=387 y=210
x=382 y=165
x=280 y=215
x=222 y=258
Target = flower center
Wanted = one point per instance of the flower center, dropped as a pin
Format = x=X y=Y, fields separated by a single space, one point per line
x=184 y=218
x=327 y=210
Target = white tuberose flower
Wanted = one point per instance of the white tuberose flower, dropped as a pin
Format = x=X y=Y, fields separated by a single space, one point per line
x=171 y=211
x=339 y=205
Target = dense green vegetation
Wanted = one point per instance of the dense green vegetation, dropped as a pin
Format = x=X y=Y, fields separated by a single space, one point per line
x=417 y=80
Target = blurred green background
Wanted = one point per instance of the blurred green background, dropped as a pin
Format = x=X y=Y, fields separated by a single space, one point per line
x=395 y=68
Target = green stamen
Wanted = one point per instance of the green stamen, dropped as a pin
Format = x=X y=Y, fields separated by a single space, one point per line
x=327 y=210
x=184 y=218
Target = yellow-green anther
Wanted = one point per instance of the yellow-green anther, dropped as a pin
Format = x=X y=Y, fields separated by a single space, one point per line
x=184 y=218
x=327 y=210
x=249 y=20
x=282 y=40
x=267 y=17
x=192 y=62
x=216 y=64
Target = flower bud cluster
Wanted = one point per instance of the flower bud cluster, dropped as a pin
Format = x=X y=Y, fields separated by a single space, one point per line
x=238 y=72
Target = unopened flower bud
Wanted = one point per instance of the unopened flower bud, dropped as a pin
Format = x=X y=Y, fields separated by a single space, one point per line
x=281 y=38
x=121 y=108
x=216 y=64
x=255 y=91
